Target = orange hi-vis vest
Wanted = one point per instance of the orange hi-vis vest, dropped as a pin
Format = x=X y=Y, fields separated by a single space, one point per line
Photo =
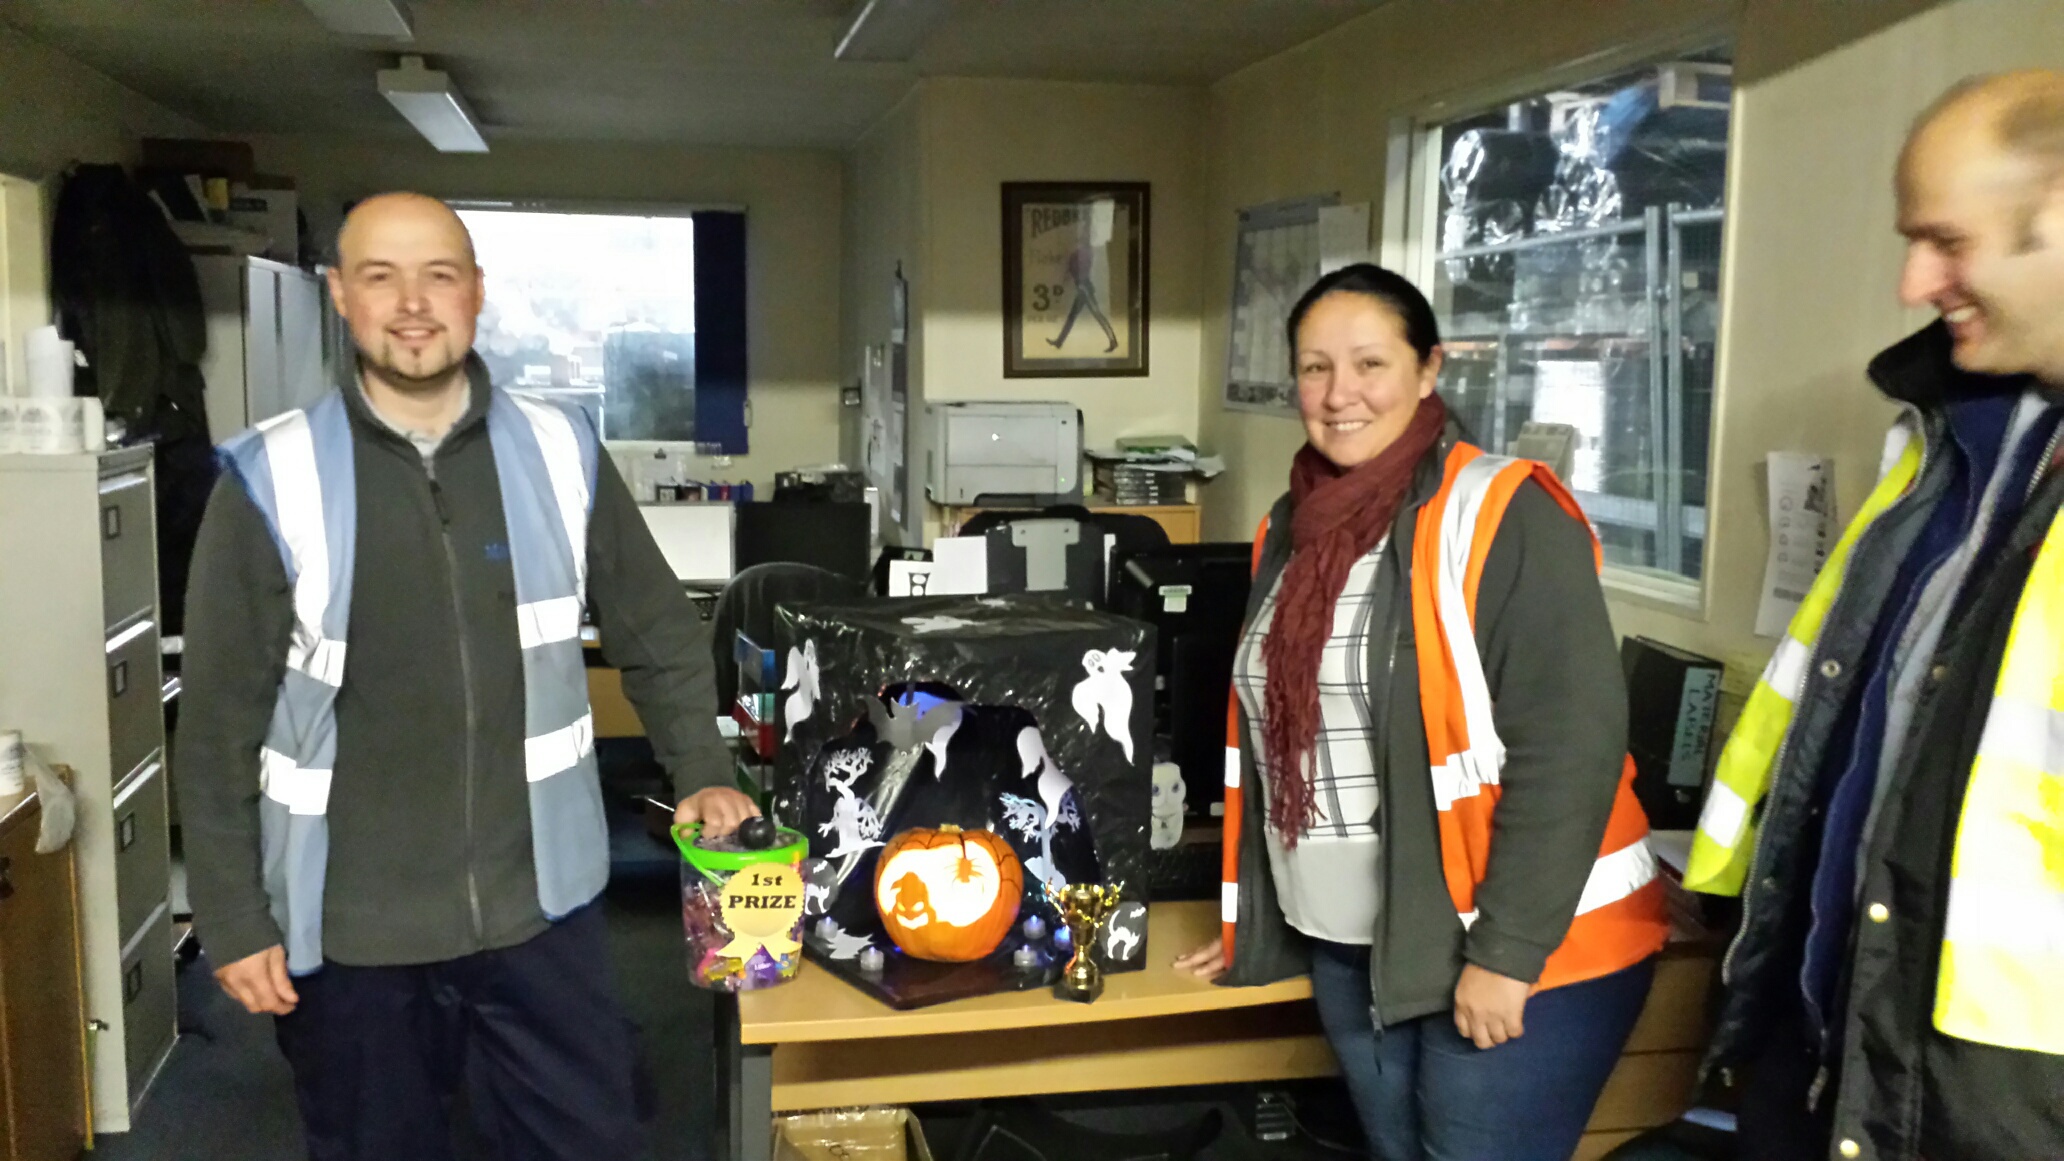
x=1621 y=918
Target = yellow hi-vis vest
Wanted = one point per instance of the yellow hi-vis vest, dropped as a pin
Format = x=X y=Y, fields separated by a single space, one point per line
x=2003 y=941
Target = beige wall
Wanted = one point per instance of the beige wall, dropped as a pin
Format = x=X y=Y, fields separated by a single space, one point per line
x=1825 y=91
x=978 y=134
x=1812 y=262
x=792 y=199
x=884 y=230
x=55 y=110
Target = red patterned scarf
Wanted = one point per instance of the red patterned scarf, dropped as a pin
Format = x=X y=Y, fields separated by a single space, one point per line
x=1336 y=518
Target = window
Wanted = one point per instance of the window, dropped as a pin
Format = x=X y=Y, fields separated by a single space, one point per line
x=1575 y=267
x=638 y=318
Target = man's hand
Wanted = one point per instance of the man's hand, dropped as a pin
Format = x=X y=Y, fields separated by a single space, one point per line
x=259 y=982
x=719 y=809
x=1488 y=1006
x=1206 y=962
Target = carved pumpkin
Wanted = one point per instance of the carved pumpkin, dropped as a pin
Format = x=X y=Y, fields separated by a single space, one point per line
x=948 y=894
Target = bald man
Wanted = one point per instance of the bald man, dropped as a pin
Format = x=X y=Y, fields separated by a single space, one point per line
x=394 y=832
x=1891 y=805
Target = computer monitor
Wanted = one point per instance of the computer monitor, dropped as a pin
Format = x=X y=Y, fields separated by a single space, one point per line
x=1196 y=596
x=695 y=538
x=836 y=536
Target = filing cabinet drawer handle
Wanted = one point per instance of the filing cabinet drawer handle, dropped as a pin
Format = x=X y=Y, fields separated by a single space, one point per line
x=132 y=982
x=6 y=878
x=111 y=522
x=118 y=679
x=125 y=832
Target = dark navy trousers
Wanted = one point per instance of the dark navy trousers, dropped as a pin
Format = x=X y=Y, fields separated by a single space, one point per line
x=530 y=1038
x=1423 y=1093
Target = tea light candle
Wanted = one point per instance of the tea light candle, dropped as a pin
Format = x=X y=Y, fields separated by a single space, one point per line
x=1025 y=959
x=1035 y=929
x=872 y=961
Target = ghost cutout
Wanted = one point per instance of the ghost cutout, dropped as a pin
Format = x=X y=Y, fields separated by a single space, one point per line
x=802 y=679
x=938 y=624
x=1054 y=788
x=1167 y=817
x=1107 y=695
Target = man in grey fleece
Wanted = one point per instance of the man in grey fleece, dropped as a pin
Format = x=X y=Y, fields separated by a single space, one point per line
x=438 y=964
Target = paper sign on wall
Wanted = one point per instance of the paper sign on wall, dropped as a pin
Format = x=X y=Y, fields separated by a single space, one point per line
x=1343 y=236
x=1802 y=531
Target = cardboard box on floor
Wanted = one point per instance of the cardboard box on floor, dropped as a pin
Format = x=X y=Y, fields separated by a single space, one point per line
x=851 y=1135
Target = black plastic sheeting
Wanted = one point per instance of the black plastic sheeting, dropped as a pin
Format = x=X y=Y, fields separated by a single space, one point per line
x=1028 y=716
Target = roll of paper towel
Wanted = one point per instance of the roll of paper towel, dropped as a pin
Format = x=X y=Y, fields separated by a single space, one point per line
x=92 y=425
x=50 y=362
x=47 y=426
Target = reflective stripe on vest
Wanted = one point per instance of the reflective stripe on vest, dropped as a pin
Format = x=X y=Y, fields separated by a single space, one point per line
x=1620 y=919
x=299 y=471
x=2003 y=939
x=1725 y=839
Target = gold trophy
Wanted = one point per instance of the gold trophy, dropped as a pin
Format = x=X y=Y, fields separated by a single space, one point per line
x=1083 y=906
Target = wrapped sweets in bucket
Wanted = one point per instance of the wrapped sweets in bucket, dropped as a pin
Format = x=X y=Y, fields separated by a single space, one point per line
x=742 y=905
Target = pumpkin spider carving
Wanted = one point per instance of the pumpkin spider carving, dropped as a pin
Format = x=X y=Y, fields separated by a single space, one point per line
x=948 y=894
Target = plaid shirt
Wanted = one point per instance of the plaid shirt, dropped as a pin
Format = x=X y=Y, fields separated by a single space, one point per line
x=1328 y=884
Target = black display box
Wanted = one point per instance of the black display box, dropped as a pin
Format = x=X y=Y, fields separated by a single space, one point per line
x=1028 y=716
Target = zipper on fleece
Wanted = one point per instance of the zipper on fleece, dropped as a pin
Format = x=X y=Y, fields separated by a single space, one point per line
x=451 y=570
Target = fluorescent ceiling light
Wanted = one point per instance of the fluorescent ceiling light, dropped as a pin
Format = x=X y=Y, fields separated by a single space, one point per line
x=384 y=18
x=437 y=110
x=890 y=30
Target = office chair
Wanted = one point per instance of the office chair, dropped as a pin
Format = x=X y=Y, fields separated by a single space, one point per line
x=748 y=604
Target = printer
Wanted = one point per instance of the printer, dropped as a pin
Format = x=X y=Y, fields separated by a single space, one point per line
x=1003 y=453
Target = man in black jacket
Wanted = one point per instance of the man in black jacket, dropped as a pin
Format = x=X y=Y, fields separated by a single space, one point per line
x=438 y=963
x=1873 y=831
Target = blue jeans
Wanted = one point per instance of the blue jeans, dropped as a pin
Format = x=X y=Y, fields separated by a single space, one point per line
x=532 y=1035
x=1424 y=1093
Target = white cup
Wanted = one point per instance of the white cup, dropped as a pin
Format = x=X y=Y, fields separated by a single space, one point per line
x=47 y=426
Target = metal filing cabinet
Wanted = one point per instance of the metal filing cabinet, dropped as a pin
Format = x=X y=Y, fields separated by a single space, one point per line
x=82 y=681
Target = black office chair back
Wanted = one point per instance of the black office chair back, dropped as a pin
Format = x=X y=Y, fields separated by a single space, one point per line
x=748 y=605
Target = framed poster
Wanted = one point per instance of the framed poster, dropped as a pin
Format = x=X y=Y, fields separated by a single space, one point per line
x=1074 y=279
x=1275 y=259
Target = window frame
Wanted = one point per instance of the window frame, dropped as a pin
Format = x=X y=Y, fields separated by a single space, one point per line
x=1408 y=242
x=676 y=450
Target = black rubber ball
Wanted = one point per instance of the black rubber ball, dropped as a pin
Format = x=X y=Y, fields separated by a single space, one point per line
x=757 y=833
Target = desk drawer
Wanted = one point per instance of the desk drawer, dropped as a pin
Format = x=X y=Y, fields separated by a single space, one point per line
x=128 y=547
x=149 y=1004
x=136 y=706
x=143 y=855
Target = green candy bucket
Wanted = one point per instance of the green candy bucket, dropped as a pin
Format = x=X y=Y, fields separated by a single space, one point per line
x=742 y=909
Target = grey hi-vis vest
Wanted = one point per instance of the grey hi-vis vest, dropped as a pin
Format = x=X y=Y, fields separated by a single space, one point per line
x=298 y=469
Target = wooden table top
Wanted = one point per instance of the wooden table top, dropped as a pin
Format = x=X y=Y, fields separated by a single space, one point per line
x=817 y=1005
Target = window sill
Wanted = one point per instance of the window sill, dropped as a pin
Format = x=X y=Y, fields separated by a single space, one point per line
x=1669 y=594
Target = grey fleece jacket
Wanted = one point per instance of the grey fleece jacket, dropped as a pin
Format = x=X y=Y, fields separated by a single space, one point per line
x=429 y=813
x=1560 y=705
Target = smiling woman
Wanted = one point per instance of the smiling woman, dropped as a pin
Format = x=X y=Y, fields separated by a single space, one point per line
x=637 y=317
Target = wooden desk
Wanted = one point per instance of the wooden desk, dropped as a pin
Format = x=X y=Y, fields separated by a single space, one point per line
x=819 y=1042
x=44 y=1113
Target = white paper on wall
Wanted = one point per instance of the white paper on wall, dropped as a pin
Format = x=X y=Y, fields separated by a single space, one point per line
x=1343 y=236
x=1802 y=531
